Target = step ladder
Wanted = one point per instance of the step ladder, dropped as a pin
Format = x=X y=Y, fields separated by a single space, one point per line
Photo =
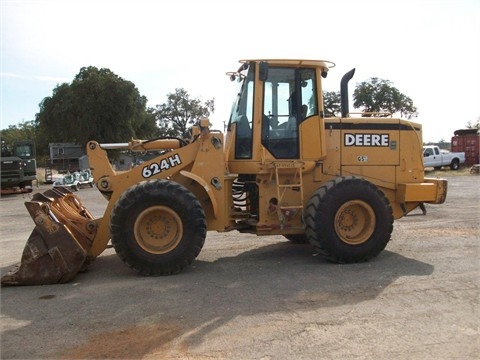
x=293 y=168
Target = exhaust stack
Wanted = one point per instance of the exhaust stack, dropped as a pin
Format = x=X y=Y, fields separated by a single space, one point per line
x=344 y=92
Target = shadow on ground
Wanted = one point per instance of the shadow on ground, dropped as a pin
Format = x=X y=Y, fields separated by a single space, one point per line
x=111 y=311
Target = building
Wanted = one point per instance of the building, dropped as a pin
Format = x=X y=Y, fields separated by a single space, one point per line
x=65 y=156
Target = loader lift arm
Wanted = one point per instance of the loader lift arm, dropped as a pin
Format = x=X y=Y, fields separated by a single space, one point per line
x=67 y=237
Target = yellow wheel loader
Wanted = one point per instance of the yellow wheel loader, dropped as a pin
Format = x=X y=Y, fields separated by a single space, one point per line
x=282 y=168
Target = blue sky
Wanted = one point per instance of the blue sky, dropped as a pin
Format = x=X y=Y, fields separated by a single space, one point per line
x=430 y=50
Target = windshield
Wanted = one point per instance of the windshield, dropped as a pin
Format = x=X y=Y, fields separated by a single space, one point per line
x=23 y=150
x=243 y=101
x=242 y=112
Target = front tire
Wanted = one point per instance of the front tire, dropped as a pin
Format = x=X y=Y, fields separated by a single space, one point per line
x=158 y=227
x=348 y=220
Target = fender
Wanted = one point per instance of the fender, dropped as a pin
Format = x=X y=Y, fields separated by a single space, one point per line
x=206 y=186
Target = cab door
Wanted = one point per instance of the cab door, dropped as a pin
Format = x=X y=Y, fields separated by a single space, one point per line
x=289 y=97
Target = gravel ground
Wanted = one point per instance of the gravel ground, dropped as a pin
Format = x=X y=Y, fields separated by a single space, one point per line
x=249 y=297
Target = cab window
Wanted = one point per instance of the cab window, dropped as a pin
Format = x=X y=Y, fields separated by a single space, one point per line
x=289 y=98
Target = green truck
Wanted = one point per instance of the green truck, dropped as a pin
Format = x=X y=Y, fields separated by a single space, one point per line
x=18 y=167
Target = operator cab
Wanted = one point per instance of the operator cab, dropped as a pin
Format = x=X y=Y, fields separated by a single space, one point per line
x=273 y=98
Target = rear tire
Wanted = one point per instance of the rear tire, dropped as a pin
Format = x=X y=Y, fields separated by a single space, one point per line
x=348 y=220
x=158 y=227
x=455 y=165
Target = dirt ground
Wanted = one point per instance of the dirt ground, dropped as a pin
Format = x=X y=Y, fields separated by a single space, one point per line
x=249 y=297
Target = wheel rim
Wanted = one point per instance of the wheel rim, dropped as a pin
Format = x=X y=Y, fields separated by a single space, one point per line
x=355 y=222
x=158 y=229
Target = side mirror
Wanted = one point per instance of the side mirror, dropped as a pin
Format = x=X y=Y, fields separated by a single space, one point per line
x=263 y=71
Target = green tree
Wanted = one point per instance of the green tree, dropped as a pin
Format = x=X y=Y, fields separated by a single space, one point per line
x=331 y=103
x=378 y=95
x=26 y=130
x=175 y=117
x=97 y=105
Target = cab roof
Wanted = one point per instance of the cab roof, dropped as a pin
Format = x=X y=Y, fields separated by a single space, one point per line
x=299 y=62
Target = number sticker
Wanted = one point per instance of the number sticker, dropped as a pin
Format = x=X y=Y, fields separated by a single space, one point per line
x=164 y=164
x=362 y=158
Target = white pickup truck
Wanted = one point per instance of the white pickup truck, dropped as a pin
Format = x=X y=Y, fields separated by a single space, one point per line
x=436 y=158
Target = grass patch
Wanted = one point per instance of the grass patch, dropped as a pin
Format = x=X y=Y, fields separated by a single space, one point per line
x=463 y=171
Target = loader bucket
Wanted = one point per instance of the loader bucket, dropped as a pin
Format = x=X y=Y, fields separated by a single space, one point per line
x=58 y=246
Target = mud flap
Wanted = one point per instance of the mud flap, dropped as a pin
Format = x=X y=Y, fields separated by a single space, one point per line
x=55 y=252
